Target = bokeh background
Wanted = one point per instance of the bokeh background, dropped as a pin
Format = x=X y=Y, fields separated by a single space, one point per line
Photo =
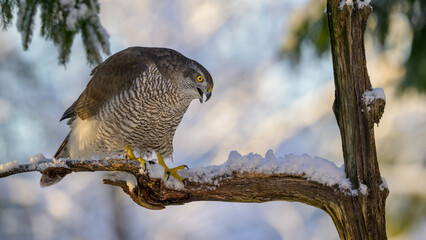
x=273 y=90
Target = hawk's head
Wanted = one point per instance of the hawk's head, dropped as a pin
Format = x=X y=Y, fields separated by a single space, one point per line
x=199 y=81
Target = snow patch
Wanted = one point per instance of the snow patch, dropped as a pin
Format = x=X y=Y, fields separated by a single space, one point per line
x=384 y=184
x=8 y=166
x=350 y=3
x=345 y=2
x=314 y=169
x=37 y=158
x=157 y=171
x=38 y=162
x=75 y=12
x=48 y=163
x=370 y=95
x=85 y=11
x=363 y=189
x=154 y=170
x=130 y=179
x=362 y=4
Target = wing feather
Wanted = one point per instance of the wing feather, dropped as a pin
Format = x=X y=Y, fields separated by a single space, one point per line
x=109 y=78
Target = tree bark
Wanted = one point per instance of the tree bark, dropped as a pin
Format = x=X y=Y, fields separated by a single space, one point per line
x=364 y=217
x=356 y=216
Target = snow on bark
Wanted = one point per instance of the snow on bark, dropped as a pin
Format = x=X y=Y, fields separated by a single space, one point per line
x=360 y=3
x=37 y=158
x=384 y=185
x=363 y=189
x=130 y=179
x=38 y=162
x=364 y=3
x=314 y=169
x=370 y=95
x=8 y=166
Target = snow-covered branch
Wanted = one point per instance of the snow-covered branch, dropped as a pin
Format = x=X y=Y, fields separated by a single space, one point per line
x=53 y=170
x=250 y=178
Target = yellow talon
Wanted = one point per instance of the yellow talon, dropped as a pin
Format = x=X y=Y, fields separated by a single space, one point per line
x=171 y=171
x=131 y=156
x=167 y=171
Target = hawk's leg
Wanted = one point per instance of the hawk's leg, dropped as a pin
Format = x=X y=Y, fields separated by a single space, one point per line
x=171 y=171
x=131 y=156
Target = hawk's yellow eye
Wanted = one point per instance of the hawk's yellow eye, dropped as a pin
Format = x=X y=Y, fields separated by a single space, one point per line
x=200 y=78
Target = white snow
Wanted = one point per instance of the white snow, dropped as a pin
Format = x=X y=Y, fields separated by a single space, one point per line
x=314 y=169
x=363 y=189
x=384 y=184
x=361 y=4
x=364 y=3
x=37 y=162
x=130 y=179
x=8 y=166
x=75 y=14
x=345 y=2
x=370 y=95
x=85 y=11
x=157 y=171
x=37 y=158
x=43 y=165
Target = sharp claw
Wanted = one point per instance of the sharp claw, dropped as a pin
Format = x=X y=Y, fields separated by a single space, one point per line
x=168 y=175
x=151 y=162
x=184 y=183
x=185 y=166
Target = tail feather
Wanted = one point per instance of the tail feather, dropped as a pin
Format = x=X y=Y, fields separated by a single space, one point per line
x=63 y=151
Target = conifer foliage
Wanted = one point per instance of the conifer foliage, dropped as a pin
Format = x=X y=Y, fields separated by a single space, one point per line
x=60 y=21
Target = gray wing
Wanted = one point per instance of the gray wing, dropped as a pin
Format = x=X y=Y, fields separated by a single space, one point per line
x=109 y=78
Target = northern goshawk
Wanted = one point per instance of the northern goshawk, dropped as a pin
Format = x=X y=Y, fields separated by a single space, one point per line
x=134 y=101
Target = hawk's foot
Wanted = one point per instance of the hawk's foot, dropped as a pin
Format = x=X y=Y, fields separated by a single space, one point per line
x=131 y=156
x=171 y=171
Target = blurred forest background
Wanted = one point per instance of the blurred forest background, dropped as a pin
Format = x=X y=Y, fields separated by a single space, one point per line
x=273 y=75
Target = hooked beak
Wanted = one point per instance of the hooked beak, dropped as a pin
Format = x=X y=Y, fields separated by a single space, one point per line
x=208 y=93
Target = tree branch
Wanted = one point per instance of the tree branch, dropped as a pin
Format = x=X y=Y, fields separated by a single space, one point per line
x=66 y=166
x=356 y=117
x=235 y=185
x=154 y=193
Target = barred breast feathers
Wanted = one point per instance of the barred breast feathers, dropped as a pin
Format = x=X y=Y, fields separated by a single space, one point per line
x=148 y=99
x=85 y=133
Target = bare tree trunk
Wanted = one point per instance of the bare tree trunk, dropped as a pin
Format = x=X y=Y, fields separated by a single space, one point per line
x=364 y=216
